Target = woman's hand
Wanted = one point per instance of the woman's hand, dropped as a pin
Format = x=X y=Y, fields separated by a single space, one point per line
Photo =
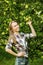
x=29 y=22
x=21 y=54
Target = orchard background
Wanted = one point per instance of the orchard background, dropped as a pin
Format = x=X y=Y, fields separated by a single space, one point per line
x=22 y=11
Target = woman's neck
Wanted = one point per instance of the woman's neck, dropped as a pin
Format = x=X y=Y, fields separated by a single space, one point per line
x=16 y=33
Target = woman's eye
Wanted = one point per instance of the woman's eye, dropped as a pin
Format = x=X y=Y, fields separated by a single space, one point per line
x=15 y=25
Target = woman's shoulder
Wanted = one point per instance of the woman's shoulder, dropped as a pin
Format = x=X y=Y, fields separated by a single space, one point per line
x=22 y=33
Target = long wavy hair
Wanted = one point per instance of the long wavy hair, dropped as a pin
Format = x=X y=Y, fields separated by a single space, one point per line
x=11 y=36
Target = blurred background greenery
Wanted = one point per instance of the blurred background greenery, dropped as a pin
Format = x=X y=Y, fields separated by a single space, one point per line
x=22 y=11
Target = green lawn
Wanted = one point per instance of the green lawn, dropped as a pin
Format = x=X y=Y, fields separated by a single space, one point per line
x=7 y=59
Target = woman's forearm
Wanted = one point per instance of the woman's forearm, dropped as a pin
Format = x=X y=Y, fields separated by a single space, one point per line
x=11 y=52
x=32 y=29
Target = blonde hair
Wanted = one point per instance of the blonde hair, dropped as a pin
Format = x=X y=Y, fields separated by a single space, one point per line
x=10 y=27
x=11 y=36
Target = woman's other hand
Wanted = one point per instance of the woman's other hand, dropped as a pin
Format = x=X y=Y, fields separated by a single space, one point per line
x=21 y=54
x=29 y=22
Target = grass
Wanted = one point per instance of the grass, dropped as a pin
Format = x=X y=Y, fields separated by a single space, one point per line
x=8 y=59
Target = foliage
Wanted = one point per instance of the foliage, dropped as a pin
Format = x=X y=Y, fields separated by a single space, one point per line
x=23 y=11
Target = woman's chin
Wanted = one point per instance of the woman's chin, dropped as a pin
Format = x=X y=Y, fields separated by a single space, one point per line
x=17 y=30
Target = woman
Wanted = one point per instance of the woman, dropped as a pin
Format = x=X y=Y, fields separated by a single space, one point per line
x=17 y=40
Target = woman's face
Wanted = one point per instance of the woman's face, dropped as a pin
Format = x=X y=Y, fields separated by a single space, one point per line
x=15 y=27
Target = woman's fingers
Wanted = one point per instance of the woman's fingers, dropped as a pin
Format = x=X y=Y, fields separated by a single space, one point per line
x=29 y=22
x=21 y=53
